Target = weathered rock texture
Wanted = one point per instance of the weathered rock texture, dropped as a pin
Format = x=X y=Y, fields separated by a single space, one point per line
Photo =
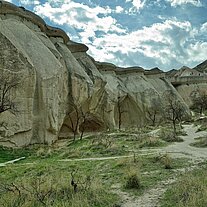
x=57 y=74
x=189 y=82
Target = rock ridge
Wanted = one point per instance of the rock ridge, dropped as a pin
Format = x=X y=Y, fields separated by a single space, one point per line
x=57 y=76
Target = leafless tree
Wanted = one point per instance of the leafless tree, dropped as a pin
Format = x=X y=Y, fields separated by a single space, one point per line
x=154 y=111
x=74 y=117
x=77 y=117
x=199 y=101
x=84 y=116
x=120 y=110
x=8 y=82
x=174 y=110
x=80 y=182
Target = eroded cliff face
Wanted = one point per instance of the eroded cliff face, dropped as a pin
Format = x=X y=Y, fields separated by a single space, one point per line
x=189 y=91
x=56 y=74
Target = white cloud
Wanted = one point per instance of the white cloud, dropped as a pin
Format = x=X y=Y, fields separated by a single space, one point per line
x=175 y=3
x=164 y=42
x=197 y=51
x=81 y=17
x=204 y=28
x=137 y=4
x=171 y=41
x=119 y=9
x=29 y=2
x=26 y=2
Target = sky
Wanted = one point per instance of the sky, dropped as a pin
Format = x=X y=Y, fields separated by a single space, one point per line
x=148 y=33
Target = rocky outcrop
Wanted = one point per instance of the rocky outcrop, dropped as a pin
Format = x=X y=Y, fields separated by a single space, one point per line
x=57 y=76
x=189 y=82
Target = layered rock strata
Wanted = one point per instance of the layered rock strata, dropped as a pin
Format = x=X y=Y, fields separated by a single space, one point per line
x=57 y=74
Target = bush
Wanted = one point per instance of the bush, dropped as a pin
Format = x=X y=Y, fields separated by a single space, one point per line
x=190 y=191
x=165 y=160
x=150 y=142
x=202 y=142
x=54 y=190
x=133 y=180
x=169 y=136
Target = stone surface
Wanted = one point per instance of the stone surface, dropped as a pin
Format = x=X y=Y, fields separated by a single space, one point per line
x=57 y=74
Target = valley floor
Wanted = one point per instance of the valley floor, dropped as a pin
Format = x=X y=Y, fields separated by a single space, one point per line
x=106 y=160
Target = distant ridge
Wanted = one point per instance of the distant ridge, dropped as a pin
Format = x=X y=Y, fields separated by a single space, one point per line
x=202 y=67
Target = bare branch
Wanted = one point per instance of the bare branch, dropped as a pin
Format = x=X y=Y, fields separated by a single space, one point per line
x=8 y=82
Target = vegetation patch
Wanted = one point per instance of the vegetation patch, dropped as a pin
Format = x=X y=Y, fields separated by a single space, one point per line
x=201 y=128
x=7 y=154
x=169 y=136
x=51 y=190
x=189 y=191
x=133 y=179
x=150 y=141
x=43 y=180
x=201 y=142
x=165 y=160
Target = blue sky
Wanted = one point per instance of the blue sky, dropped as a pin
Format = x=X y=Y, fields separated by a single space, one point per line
x=148 y=33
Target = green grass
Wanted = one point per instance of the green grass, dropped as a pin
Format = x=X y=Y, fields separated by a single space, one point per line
x=202 y=124
x=202 y=128
x=110 y=145
x=168 y=135
x=189 y=191
x=43 y=163
x=201 y=142
x=7 y=154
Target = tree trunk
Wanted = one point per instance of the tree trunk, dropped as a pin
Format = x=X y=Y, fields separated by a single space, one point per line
x=154 y=120
x=174 y=128
x=81 y=136
x=74 y=136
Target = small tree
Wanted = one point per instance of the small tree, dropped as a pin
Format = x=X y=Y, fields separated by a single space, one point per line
x=77 y=116
x=84 y=116
x=154 y=110
x=200 y=102
x=74 y=120
x=174 y=110
x=120 y=110
x=8 y=82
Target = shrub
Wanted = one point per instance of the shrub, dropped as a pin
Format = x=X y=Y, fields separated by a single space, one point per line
x=202 y=142
x=190 y=191
x=169 y=136
x=165 y=160
x=150 y=142
x=133 y=180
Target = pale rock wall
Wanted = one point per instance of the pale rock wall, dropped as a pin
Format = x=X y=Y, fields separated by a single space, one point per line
x=56 y=73
x=136 y=93
x=188 y=91
x=43 y=92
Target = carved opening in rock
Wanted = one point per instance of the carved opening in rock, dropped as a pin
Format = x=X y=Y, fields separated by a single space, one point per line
x=92 y=124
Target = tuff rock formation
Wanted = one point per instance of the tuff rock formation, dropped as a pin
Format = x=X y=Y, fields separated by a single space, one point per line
x=57 y=74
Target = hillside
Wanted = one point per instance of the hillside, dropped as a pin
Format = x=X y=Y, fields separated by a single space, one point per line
x=56 y=76
x=202 y=67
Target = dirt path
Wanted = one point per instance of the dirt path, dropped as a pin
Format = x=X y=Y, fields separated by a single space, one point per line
x=105 y=158
x=149 y=199
x=11 y=161
x=183 y=149
x=152 y=197
x=95 y=158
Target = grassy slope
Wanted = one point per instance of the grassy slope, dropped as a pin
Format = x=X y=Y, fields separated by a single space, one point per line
x=42 y=170
x=189 y=191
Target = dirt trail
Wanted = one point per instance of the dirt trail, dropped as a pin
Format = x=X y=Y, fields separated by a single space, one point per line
x=149 y=199
x=11 y=161
x=152 y=197
x=184 y=149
